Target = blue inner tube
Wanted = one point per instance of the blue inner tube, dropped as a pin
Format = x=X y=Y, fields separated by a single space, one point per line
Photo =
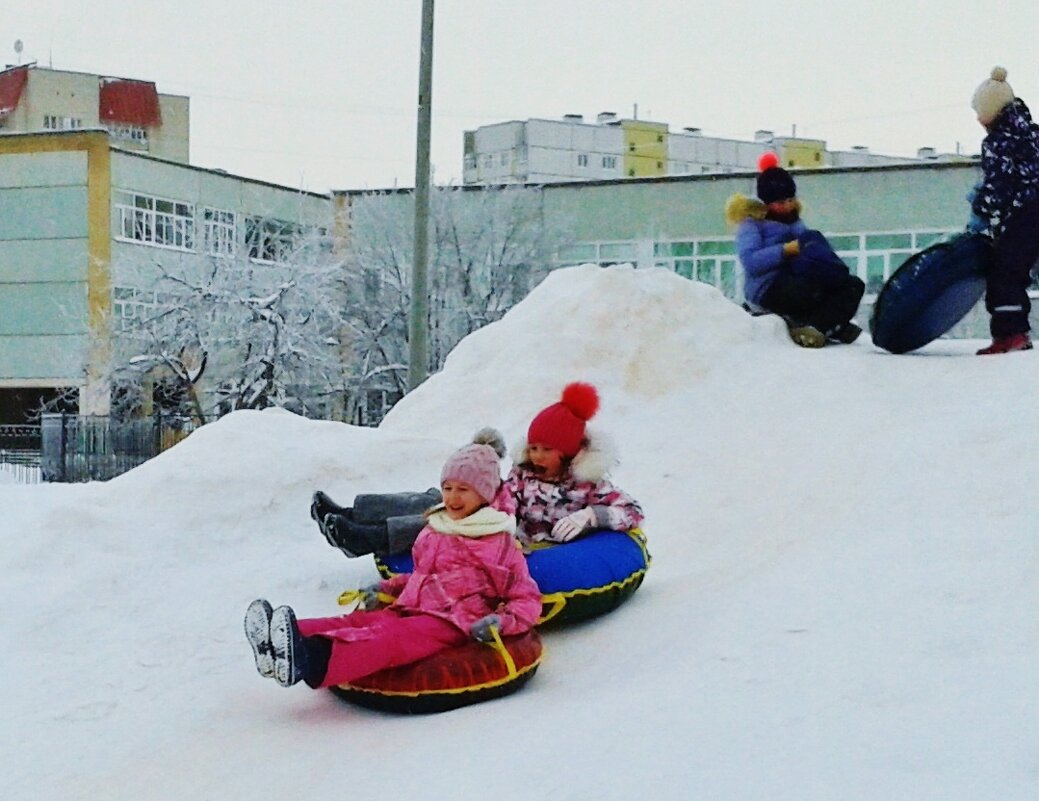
x=931 y=292
x=578 y=579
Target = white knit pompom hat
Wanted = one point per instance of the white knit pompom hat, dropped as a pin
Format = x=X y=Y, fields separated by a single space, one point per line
x=992 y=96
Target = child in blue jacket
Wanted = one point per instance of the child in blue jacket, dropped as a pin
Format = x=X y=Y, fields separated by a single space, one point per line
x=788 y=268
x=1005 y=206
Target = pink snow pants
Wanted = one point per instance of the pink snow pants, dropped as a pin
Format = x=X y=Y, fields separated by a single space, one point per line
x=367 y=642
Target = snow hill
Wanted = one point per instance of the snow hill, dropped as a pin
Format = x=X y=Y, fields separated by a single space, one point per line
x=842 y=602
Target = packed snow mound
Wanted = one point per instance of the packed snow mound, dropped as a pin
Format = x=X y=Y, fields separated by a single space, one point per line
x=281 y=457
x=634 y=334
x=638 y=335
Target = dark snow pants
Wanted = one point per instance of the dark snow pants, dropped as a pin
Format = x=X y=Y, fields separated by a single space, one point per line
x=379 y=523
x=810 y=300
x=1014 y=257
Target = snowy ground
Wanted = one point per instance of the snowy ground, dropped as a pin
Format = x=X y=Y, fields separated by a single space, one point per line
x=842 y=603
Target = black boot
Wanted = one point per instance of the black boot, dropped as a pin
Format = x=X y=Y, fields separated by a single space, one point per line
x=846 y=333
x=321 y=505
x=353 y=538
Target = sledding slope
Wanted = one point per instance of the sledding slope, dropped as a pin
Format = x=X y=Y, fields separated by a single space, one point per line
x=841 y=604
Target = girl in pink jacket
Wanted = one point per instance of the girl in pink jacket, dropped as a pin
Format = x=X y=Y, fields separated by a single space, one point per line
x=469 y=579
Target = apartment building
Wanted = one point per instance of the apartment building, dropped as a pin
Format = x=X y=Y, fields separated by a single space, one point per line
x=135 y=114
x=570 y=149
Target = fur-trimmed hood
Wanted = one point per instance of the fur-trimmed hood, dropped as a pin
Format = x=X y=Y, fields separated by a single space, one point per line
x=592 y=463
x=739 y=207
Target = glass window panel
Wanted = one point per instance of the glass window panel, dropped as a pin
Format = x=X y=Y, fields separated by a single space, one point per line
x=684 y=267
x=705 y=271
x=577 y=253
x=889 y=241
x=617 y=251
x=719 y=248
x=844 y=242
x=926 y=240
x=728 y=284
x=875 y=273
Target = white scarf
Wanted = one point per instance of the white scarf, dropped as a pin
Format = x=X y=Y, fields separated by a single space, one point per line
x=480 y=523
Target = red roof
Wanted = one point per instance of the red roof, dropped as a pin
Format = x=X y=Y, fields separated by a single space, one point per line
x=12 y=82
x=130 y=102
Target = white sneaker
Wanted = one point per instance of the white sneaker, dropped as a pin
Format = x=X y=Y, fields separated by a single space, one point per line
x=287 y=647
x=257 y=624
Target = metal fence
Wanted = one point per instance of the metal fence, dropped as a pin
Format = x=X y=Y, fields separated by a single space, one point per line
x=82 y=448
x=20 y=453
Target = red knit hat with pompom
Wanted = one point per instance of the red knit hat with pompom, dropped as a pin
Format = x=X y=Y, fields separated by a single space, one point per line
x=561 y=425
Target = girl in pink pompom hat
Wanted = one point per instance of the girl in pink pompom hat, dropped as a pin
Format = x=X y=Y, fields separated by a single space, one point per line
x=469 y=581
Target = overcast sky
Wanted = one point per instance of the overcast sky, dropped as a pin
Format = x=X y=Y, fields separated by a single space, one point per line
x=322 y=94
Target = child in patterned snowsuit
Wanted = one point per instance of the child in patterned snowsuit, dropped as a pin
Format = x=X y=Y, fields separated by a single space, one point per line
x=1005 y=206
x=469 y=579
x=559 y=479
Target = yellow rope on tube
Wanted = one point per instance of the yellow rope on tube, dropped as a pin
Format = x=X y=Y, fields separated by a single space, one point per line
x=499 y=646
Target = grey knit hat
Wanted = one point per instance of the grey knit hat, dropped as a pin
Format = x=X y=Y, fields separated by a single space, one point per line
x=992 y=96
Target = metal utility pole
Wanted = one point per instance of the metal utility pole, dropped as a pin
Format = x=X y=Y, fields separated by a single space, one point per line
x=418 y=357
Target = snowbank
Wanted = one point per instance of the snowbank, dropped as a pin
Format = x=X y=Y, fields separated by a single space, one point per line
x=841 y=604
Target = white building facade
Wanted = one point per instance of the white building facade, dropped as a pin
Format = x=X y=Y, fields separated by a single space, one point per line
x=570 y=149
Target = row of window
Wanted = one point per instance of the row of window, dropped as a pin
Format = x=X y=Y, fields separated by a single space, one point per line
x=55 y=122
x=606 y=162
x=161 y=222
x=137 y=134
x=118 y=130
x=490 y=161
x=871 y=256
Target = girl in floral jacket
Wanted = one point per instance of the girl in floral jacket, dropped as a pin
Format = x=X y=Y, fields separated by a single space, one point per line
x=559 y=482
x=1005 y=205
x=470 y=579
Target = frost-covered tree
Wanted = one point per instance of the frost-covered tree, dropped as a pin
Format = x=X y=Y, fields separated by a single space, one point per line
x=488 y=248
x=260 y=331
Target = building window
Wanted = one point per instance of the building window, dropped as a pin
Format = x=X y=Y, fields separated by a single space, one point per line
x=219 y=232
x=128 y=133
x=269 y=240
x=54 y=122
x=155 y=221
x=503 y=158
x=132 y=307
x=582 y=159
x=609 y=162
